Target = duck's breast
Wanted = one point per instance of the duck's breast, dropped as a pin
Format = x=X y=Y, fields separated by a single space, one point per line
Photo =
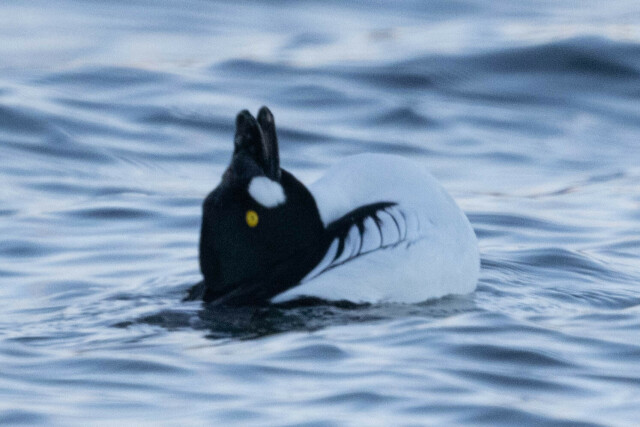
x=416 y=244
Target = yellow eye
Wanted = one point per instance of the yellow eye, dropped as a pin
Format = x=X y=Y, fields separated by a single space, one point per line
x=252 y=218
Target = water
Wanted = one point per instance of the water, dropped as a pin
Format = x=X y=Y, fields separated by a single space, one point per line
x=116 y=119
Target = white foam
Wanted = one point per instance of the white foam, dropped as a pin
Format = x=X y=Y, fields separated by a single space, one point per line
x=266 y=192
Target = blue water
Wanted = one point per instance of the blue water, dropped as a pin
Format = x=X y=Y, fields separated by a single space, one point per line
x=116 y=119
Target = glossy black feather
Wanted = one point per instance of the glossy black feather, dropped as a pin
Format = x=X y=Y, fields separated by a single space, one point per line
x=339 y=230
x=245 y=265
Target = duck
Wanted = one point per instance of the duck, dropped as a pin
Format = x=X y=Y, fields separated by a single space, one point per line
x=375 y=228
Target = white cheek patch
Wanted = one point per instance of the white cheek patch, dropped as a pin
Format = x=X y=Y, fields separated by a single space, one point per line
x=266 y=192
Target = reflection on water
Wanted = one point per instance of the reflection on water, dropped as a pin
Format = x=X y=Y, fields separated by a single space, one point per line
x=116 y=119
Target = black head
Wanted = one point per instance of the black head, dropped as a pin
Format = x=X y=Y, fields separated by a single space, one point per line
x=261 y=230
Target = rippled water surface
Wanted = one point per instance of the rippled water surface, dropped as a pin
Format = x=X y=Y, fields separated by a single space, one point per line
x=116 y=119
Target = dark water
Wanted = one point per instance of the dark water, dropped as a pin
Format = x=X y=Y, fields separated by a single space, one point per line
x=116 y=118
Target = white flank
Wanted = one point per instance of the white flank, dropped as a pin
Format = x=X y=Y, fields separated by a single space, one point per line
x=266 y=192
x=438 y=251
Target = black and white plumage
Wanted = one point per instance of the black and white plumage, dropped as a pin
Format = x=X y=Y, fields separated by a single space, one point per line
x=374 y=228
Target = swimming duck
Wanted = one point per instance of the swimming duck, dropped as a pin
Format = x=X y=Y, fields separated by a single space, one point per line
x=375 y=228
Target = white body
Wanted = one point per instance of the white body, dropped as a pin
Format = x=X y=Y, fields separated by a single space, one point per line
x=434 y=254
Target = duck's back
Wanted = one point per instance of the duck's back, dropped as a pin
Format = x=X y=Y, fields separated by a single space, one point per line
x=417 y=246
